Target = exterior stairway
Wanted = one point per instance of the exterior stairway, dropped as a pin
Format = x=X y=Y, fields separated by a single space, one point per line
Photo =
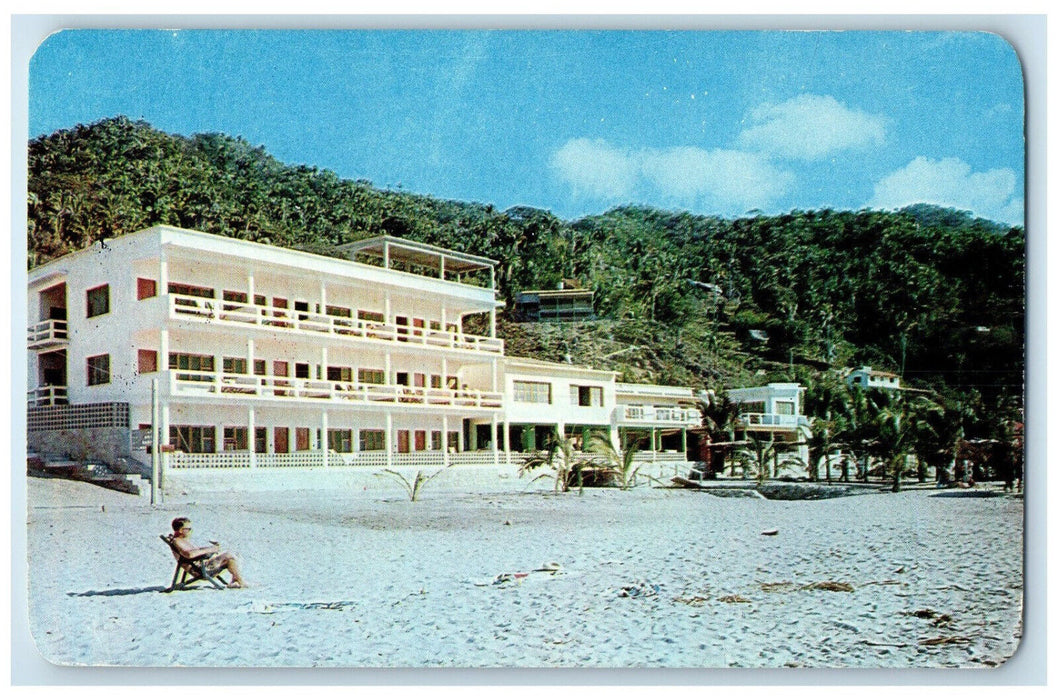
x=59 y=467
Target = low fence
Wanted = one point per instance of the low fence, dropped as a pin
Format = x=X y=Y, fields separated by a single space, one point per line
x=375 y=459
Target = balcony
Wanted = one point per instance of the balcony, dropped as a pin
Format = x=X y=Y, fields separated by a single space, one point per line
x=657 y=415
x=239 y=387
x=51 y=333
x=771 y=421
x=46 y=396
x=325 y=326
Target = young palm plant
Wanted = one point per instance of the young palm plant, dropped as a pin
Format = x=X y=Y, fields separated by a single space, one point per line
x=413 y=487
x=561 y=461
x=619 y=462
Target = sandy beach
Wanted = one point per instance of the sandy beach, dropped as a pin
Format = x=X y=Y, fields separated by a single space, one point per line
x=526 y=578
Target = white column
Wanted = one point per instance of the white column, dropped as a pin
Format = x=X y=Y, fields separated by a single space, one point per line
x=495 y=374
x=250 y=297
x=445 y=459
x=495 y=442
x=492 y=322
x=389 y=439
x=507 y=440
x=163 y=424
x=323 y=297
x=324 y=427
x=163 y=274
x=390 y=379
x=387 y=309
x=251 y=433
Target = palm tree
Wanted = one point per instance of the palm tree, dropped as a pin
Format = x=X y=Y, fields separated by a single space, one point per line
x=719 y=419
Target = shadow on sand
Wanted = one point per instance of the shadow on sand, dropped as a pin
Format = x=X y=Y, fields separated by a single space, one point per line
x=966 y=493
x=121 y=591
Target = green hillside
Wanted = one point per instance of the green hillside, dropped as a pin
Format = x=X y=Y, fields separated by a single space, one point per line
x=932 y=291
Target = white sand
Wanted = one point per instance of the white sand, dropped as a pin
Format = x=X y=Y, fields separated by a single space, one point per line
x=411 y=584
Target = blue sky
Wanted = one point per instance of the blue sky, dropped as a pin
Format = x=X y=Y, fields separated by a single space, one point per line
x=577 y=122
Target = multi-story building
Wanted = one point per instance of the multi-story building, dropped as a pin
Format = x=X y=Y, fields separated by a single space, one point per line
x=774 y=411
x=255 y=357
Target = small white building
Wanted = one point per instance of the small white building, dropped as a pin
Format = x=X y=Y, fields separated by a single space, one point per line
x=867 y=378
x=774 y=410
x=266 y=357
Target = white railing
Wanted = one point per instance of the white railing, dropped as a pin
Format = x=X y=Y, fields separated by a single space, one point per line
x=291 y=320
x=46 y=396
x=241 y=386
x=371 y=460
x=657 y=414
x=53 y=331
x=770 y=420
x=374 y=459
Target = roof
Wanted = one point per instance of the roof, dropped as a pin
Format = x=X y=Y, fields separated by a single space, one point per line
x=558 y=292
x=419 y=254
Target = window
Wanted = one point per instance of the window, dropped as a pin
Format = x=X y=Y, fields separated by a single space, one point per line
x=98 y=370
x=239 y=297
x=301 y=439
x=260 y=367
x=235 y=439
x=784 y=408
x=340 y=374
x=532 y=392
x=435 y=440
x=193 y=438
x=260 y=440
x=585 y=395
x=435 y=381
x=191 y=290
x=145 y=288
x=420 y=440
x=339 y=311
x=372 y=440
x=147 y=361
x=195 y=363
x=98 y=300
x=301 y=370
x=234 y=365
x=371 y=376
x=370 y=316
x=340 y=440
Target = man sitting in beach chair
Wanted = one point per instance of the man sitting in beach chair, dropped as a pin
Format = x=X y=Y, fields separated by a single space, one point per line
x=198 y=563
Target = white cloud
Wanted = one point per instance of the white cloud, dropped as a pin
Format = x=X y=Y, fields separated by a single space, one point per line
x=810 y=127
x=728 y=179
x=731 y=181
x=596 y=168
x=950 y=182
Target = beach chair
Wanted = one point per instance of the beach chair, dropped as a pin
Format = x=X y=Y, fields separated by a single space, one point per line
x=190 y=571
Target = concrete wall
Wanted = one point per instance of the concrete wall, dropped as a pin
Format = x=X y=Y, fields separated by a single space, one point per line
x=81 y=444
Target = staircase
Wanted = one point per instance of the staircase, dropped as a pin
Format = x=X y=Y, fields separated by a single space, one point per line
x=60 y=467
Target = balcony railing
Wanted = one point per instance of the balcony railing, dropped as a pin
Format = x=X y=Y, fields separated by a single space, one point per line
x=657 y=414
x=242 y=386
x=46 y=396
x=50 y=332
x=295 y=321
x=771 y=420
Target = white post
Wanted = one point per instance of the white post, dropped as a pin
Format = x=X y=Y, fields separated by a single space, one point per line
x=389 y=439
x=155 y=459
x=251 y=438
x=325 y=439
x=445 y=459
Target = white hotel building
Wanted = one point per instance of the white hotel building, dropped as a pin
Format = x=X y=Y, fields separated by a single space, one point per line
x=270 y=358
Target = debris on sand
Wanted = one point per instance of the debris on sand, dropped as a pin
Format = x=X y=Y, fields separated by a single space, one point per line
x=779 y=587
x=734 y=599
x=639 y=589
x=836 y=586
x=770 y=533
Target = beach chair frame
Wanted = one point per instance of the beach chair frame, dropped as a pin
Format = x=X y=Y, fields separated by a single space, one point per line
x=190 y=571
